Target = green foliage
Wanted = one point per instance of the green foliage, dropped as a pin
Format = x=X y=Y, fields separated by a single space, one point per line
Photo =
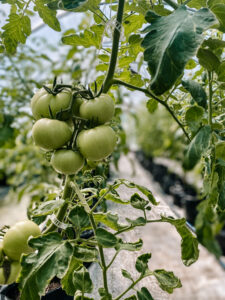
x=168 y=38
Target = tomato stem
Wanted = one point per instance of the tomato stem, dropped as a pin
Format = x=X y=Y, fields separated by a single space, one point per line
x=115 y=47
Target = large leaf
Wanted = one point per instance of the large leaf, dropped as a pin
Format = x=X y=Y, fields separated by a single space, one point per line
x=47 y=15
x=52 y=259
x=208 y=59
x=197 y=147
x=171 y=42
x=67 y=280
x=197 y=92
x=218 y=8
x=82 y=281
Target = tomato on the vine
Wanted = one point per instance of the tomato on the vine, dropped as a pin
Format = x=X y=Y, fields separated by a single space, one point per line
x=42 y=100
x=15 y=239
x=51 y=134
x=15 y=268
x=100 y=109
x=67 y=161
x=96 y=143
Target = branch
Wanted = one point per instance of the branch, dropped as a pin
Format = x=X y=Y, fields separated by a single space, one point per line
x=116 y=39
x=148 y=93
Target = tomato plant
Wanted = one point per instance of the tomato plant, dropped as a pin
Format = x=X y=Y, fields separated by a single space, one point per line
x=45 y=103
x=96 y=143
x=15 y=240
x=51 y=134
x=174 y=44
x=100 y=109
x=67 y=161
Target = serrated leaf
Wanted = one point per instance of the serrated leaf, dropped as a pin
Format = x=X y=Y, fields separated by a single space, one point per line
x=213 y=43
x=193 y=117
x=144 y=294
x=85 y=254
x=106 y=238
x=82 y=281
x=189 y=243
x=47 y=15
x=108 y=219
x=167 y=280
x=79 y=218
x=15 y=31
x=137 y=202
x=52 y=259
x=197 y=92
x=67 y=280
x=170 y=42
x=208 y=59
x=140 y=221
x=152 y=105
x=221 y=72
x=47 y=207
x=142 y=262
x=218 y=8
x=116 y=199
x=126 y=274
x=129 y=246
x=197 y=147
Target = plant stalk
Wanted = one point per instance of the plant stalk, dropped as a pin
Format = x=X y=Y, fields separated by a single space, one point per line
x=147 y=92
x=210 y=99
x=129 y=288
x=116 y=39
x=62 y=211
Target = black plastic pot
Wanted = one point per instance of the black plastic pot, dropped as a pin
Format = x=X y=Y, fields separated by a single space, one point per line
x=190 y=204
x=158 y=172
x=221 y=240
x=11 y=292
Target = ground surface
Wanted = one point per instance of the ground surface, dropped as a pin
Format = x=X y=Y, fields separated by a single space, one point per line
x=204 y=280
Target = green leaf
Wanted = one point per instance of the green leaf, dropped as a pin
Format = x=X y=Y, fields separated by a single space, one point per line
x=144 y=294
x=193 y=117
x=15 y=31
x=79 y=218
x=171 y=42
x=129 y=246
x=133 y=297
x=116 y=199
x=218 y=8
x=79 y=296
x=109 y=219
x=137 y=202
x=48 y=207
x=74 y=5
x=85 y=254
x=142 y=262
x=208 y=59
x=167 y=280
x=213 y=43
x=67 y=280
x=82 y=281
x=126 y=274
x=52 y=259
x=189 y=243
x=196 y=91
x=197 y=147
x=221 y=198
x=221 y=72
x=140 y=221
x=198 y=3
x=105 y=238
x=152 y=105
x=47 y=15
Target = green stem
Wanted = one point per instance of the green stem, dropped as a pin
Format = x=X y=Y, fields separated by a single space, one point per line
x=100 y=199
x=129 y=288
x=102 y=257
x=172 y=4
x=116 y=39
x=111 y=262
x=210 y=99
x=147 y=92
x=62 y=211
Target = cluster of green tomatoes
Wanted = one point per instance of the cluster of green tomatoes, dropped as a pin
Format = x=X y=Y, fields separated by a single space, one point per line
x=13 y=245
x=55 y=131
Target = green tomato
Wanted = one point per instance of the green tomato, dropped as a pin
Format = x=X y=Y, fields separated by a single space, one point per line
x=220 y=150
x=96 y=143
x=1 y=250
x=100 y=109
x=51 y=134
x=15 y=269
x=76 y=106
x=42 y=100
x=15 y=239
x=67 y=161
